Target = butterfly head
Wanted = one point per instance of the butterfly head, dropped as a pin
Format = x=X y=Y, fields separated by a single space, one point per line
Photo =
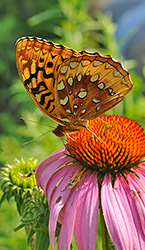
x=59 y=131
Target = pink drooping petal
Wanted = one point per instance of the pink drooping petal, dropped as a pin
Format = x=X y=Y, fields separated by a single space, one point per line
x=64 y=174
x=67 y=227
x=142 y=165
x=85 y=229
x=51 y=158
x=120 y=214
x=58 y=197
x=138 y=195
x=47 y=167
x=140 y=171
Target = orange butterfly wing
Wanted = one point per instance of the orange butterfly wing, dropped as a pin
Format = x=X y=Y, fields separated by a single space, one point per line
x=70 y=87
x=38 y=61
x=89 y=85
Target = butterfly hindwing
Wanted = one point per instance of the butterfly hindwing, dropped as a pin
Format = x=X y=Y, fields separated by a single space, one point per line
x=89 y=85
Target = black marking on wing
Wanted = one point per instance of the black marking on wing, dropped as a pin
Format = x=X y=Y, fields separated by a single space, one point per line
x=27 y=81
x=48 y=104
x=54 y=83
x=53 y=56
x=52 y=109
x=58 y=67
x=49 y=64
x=63 y=59
x=41 y=59
x=43 y=97
x=34 y=75
x=47 y=76
x=37 y=90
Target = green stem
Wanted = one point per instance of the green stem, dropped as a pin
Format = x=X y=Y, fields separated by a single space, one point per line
x=104 y=232
x=32 y=239
x=42 y=240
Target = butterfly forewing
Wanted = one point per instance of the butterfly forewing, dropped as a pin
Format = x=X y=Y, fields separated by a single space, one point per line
x=38 y=61
x=70 y=87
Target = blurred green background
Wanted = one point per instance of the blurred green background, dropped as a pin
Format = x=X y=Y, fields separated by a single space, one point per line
x=77 y=24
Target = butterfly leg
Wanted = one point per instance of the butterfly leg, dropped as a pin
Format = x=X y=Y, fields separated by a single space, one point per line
x=93 y=133
x=72 y=138
x=95 y=136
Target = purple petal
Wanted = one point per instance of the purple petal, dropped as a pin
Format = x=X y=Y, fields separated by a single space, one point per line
x=58 y=197
x=51 y=158
x=138 y=194
x=65 y=174
x=67 y=227
x=140 y=171
x=47 y=167
x=121 y=215
x=85 y=229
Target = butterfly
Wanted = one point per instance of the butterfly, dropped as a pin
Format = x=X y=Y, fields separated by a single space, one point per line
x=69 y=87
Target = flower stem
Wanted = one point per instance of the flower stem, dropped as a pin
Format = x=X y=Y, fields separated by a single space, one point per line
x=104 y=232
x=42 y=241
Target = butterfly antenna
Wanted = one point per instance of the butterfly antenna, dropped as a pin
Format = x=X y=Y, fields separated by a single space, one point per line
x=36 y=138
x=24 y=119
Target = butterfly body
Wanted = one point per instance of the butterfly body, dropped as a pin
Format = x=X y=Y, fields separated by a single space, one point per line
x=69 y=87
